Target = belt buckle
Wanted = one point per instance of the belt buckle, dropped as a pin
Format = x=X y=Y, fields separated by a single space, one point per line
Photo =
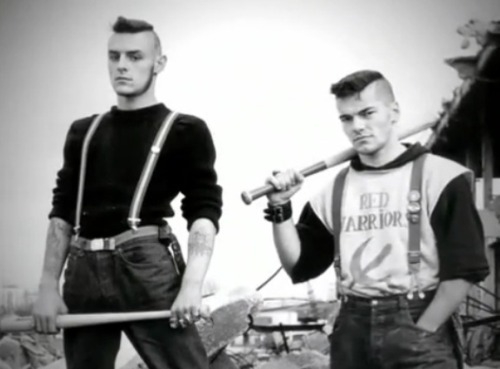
x=97 y=244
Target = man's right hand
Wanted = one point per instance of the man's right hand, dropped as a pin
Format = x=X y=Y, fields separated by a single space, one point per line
x=48 y=305
x=286 y=184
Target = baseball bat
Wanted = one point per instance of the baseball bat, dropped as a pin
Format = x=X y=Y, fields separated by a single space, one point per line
x=249 y=196
x=213 y=303
x=26 y=323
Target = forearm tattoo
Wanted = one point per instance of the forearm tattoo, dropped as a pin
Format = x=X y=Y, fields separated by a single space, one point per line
x=200 y=243
x=58 y=237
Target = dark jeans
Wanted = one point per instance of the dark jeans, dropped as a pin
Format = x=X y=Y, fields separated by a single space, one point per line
x=383 y=335
x=140 y=275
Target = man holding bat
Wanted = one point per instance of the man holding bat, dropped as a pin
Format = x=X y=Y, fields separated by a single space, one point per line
x=120 y=173
x=402 y=230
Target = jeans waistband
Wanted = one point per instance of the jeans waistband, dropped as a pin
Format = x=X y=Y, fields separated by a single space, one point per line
x=396 y=301
x=110 y=243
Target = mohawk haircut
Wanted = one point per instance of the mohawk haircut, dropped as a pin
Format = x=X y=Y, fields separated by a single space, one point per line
x=354 y=83
x=127 y=25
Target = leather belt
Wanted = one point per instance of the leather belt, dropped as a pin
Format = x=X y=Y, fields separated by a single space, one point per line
x=110 y=243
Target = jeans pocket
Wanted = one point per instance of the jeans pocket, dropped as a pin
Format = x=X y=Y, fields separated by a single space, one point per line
x=339 y=319
x=146 y=276
x=410 y=316
x=77 y=282
x=144 y=255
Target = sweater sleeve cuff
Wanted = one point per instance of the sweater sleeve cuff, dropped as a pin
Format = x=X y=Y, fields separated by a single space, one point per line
x=211 y=214
x=473 y=276
x=67 y=216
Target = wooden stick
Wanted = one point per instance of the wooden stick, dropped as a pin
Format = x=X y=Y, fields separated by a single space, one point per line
x=20 y=324
x=249 y=196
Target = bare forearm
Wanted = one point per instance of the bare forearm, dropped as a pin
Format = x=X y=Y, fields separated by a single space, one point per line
x=287 y=242
x=56 y=251
x=200 y=249
x=449 y=295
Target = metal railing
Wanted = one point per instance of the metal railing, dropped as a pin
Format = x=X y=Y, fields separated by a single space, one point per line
x=493 y=315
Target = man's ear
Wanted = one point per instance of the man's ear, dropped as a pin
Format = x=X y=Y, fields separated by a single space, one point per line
x=394 y=112
x=160 y=63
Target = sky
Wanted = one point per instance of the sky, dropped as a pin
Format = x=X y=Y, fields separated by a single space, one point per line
x=257 y=71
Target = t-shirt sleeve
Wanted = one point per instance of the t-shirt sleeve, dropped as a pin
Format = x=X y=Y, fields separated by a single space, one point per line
x=202 y=194
x=65 y=190
x=316 y=246
x=459 y=234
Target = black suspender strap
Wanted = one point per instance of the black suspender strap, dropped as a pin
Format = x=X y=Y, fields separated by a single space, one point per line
x=83 y=167
x=414 y=220
x=140 y=191
x=338 y=191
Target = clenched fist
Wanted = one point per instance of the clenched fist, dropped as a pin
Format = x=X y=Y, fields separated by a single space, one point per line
x=286 y=184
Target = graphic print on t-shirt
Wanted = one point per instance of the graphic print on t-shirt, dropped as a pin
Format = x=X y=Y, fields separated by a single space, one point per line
x=374 y=232
x=360 y=273
x=372 y=224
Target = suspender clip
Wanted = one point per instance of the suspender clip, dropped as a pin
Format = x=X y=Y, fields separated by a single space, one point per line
x=133 y=223
x=414 y=256
x=76 y=231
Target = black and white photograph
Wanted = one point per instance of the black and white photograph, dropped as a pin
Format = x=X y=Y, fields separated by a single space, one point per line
x=250 y=184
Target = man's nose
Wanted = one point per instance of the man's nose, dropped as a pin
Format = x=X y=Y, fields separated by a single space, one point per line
x=122 y=63
x=358 y=123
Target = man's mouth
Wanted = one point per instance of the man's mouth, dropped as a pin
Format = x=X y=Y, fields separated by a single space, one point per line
x=123 y=79
x=359 y=138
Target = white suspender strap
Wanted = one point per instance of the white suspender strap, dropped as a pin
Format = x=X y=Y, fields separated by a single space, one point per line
x=83 y=167
x=140 y=191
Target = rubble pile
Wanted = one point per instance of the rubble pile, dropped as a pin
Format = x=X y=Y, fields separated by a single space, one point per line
x=28 y=351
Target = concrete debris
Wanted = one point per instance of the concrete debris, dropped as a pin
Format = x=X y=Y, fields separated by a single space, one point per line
x=28 y=351
x=306 y=359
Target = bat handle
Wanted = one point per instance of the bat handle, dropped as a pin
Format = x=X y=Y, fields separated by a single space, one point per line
x=20 y=324
x=249 y=196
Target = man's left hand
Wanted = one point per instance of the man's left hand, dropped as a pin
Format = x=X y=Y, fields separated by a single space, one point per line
x=187 y=308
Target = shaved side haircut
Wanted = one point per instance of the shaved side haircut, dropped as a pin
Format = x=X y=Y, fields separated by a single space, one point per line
x=356 y=82
x=126 y=25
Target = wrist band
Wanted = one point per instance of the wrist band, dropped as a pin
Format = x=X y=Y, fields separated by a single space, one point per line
x=278 y=213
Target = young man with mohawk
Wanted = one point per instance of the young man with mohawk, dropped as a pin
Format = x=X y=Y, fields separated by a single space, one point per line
x=120 y=174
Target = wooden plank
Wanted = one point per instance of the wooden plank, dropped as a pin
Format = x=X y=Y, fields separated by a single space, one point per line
x=469 y=163
x=487 y=160
x=490 y=223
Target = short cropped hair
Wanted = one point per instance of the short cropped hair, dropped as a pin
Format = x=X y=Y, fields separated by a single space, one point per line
x=126 y=25
x=354 y=83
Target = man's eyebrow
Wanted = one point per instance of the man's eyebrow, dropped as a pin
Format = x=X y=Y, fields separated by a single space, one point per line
x=345 y=116
x=365 y=110
x=362 y=111
x=128 y=52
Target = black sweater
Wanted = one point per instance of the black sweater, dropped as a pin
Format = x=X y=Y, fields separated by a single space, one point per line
x=117 y=154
